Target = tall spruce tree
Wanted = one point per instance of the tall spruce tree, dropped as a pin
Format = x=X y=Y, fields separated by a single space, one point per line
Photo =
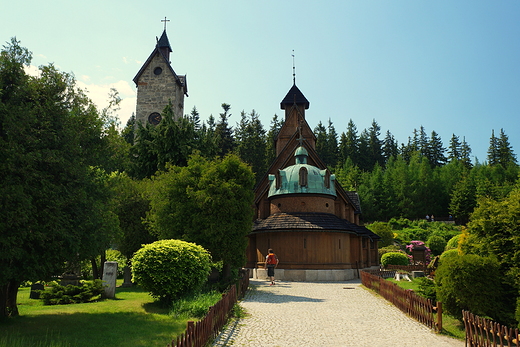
x=349 y=145
x=272 y=134
x=251 y=142
x=224 y=133
x=389 y=147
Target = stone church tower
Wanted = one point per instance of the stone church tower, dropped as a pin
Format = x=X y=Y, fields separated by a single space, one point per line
x=158 y=84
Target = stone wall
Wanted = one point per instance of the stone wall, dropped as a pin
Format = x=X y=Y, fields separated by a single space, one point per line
x=155 y=91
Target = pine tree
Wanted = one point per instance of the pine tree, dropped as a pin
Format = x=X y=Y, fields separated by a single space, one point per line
x=389 y=146
x=251 y=142
x=436 y=151
x=272 y=134
x=375 y=151
x=321 y=141
x=332 y=144
x=465 y=153
x=454 y=149
x=505 y=150
x=349 y=146
x=493 y=152
x=224 y=133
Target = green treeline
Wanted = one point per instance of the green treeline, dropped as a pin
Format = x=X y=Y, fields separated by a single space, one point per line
x=419 y=178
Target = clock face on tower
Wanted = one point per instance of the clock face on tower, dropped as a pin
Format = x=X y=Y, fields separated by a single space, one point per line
x=154 y=118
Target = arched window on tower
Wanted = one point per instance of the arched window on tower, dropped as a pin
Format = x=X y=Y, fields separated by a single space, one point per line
x=278 y=181
x=303 y=177
x=327 y=179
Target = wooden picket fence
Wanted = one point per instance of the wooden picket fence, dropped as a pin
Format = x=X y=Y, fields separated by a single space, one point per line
x=198 y=334
x=419 y=308
x=481 y=332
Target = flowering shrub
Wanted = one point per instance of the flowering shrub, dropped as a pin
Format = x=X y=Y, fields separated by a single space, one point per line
x=418 y=244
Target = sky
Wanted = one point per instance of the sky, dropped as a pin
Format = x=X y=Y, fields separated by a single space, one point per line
x=452 y=67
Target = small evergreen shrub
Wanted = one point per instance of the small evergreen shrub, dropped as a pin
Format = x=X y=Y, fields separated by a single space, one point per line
x=384 y=231
x=453 y=243
x=394 y=258
x=448 y=254
x=387 y=249
x=426 y=288
x=62 y=295
x=436 y=244
x=171 y=269
x=473 y=283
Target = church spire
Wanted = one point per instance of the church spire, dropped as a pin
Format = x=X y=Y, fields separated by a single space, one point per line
x=163 y=43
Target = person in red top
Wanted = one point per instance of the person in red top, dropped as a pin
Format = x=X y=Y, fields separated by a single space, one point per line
x=271 y=261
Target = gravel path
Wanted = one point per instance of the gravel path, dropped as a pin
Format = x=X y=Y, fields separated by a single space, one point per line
x=322 y=314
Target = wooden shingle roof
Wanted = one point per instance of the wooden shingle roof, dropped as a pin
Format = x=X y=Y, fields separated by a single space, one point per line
x=309 y=221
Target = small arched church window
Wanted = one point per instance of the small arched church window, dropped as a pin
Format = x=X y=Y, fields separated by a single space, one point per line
x=327 y=179
x=278 y=178
x=303 y=177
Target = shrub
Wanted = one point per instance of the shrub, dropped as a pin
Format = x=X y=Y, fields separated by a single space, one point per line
x=473 y=283
x=170 y=269
x=387 y=249
x=426 y=288
x=394 y=258
x=414 y=234
x=453 y=243
x=436 y=244
x=62 y=295
x=448 y=254
x=384 y=231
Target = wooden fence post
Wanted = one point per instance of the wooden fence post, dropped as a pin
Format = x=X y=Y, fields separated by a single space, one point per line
x=439 y=316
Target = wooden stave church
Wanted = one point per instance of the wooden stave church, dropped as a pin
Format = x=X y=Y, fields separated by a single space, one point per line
x=317 y=236
x=314 y=230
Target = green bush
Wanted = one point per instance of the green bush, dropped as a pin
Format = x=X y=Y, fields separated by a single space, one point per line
x=448 y=254
x=414 y=233
x=426 y=288
x=394 y=258
x=453 y=243
x=473 y=283
x=384 y=231
x=62 y=295
x=436 y=244
x=387 y=249
x=170 y=269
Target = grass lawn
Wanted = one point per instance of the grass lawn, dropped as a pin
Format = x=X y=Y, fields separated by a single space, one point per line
x=132 y=319
x=450 y=326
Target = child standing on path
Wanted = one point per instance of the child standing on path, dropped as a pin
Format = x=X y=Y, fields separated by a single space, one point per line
x=271 y=261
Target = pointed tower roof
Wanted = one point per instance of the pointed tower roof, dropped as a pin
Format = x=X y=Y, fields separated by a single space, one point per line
x=164 y=42
x=294 y=96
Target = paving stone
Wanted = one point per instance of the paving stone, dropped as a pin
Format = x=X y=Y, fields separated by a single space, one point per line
x=325 y=314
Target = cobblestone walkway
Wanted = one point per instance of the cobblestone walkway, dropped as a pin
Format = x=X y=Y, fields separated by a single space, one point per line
x=335 y=314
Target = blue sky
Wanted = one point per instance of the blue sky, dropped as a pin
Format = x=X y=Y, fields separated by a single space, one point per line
x=450 y=66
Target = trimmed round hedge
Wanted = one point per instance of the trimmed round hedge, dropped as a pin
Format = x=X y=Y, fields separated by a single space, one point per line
x=394 y=258
x=170 y=269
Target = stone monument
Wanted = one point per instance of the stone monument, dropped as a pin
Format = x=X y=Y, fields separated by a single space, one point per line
x=109 y=279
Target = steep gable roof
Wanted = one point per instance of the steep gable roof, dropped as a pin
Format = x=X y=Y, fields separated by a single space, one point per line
x=161 y=44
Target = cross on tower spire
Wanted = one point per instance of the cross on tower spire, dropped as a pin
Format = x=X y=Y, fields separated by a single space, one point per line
x=165 y=20
x=293 y=69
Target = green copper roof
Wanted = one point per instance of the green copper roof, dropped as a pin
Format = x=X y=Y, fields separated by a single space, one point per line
x=301 y=178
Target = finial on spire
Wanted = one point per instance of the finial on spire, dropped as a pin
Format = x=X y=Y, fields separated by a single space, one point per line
x=293 y=69
x=300 y=139
x=165 y=20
